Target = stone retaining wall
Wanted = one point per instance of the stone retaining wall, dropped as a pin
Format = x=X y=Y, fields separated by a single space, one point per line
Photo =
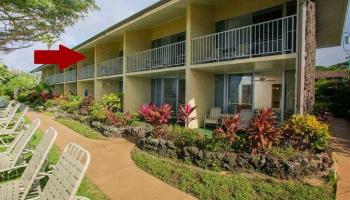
x=294 y=167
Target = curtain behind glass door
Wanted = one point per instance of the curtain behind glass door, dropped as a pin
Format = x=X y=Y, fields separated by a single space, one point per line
x=239 y=94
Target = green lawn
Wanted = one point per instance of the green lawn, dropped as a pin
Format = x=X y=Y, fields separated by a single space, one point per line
x=87 y=187
x=82 y=129
x=209 y=185
x=206 y=131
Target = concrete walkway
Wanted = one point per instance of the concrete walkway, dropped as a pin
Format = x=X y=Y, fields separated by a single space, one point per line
x=341 y=145
x=112 y=168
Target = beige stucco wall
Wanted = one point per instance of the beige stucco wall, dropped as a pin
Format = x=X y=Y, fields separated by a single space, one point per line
x=108 y=51
x=263 y=90
x=235 y=8
x=70 y=87
x=200 y=92
x=199 y=20
x=82 y=85
x=136 y=41
x=169 y=28
x=103 y=87
x=59 y=89
x=137 y=92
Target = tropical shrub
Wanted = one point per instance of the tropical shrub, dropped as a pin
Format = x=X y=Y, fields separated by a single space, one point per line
x=333 y=95
x=85 y=106
x=230 y=129
x=112 y=102
x=71 y=105
x=156 y=116
x=185 y=112
x=183 y=136
x=262 y=131
x=22 y=97
x=120 y=119
x=50 y=104
x=99 y=111
x=305 y=132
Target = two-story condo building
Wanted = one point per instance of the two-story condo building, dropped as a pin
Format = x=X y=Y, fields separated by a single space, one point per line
x=231 y=54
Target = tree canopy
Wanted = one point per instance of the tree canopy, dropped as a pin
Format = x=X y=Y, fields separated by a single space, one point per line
x=26 y=21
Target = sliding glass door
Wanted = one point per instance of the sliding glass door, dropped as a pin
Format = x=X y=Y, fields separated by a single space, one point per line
x=239 y=94
x=168 y=90
x=234 y=92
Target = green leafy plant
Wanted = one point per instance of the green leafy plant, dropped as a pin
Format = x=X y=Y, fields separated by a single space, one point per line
x=262 y=131
x=50 y=104
x=183 y=136
x=99 y=111
x=71 y=104
x=112 y=102
x=306 y=132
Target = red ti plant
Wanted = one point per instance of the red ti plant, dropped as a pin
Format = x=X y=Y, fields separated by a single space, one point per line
x=262 y=131
x=119 y=119
x=85 y=106
x=230 y=129
x=156 y=116
x=185 y=112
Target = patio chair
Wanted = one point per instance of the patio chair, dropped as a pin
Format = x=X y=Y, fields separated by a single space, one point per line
x=213 y=117
x=4 y=111
x=4 y=122
x=11 y=158
x=20 y=188
x=67 y=175
x=245 y=115
x=16 y=125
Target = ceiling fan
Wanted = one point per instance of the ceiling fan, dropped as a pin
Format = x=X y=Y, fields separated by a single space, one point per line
x=263 y=79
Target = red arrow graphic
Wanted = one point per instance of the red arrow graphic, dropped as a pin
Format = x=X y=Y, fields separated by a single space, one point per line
x=64 y=57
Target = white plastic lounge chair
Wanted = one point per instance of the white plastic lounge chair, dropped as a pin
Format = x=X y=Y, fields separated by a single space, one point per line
x=11 y=157
x=67 y=175
x=20 y=188
x=4 y=111
x=213 y=117
x=4 y=122
x=245 y=115
x=17 y=121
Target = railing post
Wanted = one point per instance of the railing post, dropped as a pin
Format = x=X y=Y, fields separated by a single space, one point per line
x=250 y=41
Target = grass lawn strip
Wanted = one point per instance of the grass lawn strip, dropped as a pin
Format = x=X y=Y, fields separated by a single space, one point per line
x=205 y=184
x=82 y=129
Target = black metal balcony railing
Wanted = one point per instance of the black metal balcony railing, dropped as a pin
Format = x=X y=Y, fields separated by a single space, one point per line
x=163 y=57
x=110 y=67
x=263 y=39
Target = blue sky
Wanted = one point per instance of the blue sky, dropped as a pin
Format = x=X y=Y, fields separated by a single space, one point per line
x=111 y=12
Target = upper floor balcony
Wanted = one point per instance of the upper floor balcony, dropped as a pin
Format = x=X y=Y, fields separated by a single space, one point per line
x=86 y=72
x=70 y=76
x=59 y=78
x=263 y=39
x=110 y=67
x=172 y=55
